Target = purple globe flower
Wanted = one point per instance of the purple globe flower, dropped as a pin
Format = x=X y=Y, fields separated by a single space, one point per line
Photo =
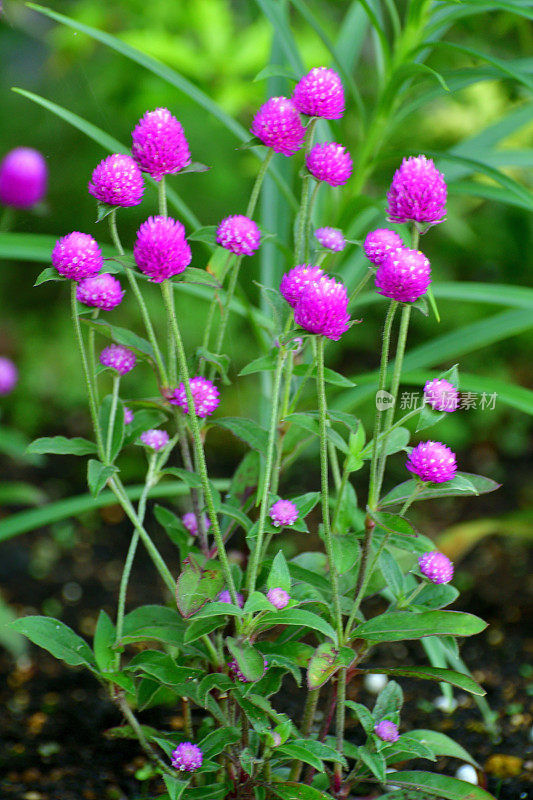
x=379 y=243
x=330 y=162
x=187 y=757
x=436 y=567
x=278 y=125
x=191 y=523
x=295 y=280
x=278 y=597
x=331 y=238
x=118 y=181
x=8 y=375
x=234 y=669
x=159 y=144
x=119 y=358
x=205 y=395
x=417 y=192
x=154 y=438
x=387 y=731
x=161 y=249
x=432 y=461
x=23 y=178
x=323 y=309
x=77 y=256
x=441 y=395
x=225 y=597
x=283 y=513
x=102 y=291
x=403 y=275
x=239 y=234
x=320 y=94
x=128 y=415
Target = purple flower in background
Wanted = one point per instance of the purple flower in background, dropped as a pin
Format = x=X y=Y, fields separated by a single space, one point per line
x=239 y=234
x=8 y=375
x=441 y=395
x=191 y=523
x=23 y=178
x=283 y=513
x=102 y=291
x=205 y=395
x=436 y=567
x=296 y=279
x=330 y=162
x=118 y=357
x=320 y=94
x=117 y=181
x=278 y=597
x=417 y=192
x=187 y=757
x=278 y=125
x=234 y=669
x=77 y=256
x=331 y=238
x=432 y=461
x=387 y=731
x=159 y=144
x=379 y=243
x=323 y=309
x=154 y=438
x=161 y=249
x=225 y=597
x=403 y=275
x=128 y=415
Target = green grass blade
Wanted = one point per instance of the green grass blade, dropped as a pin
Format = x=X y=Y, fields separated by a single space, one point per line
x=274 y=13
x=504 y=67
x=500 y=294
x=352 y=35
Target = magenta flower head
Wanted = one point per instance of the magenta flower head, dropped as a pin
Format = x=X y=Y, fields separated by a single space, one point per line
x=403 y=275
x=323 y=309
x=234 y=668
x=278 y=125
x=128 y=415
x=278 y=597
x=436 y=567
x=330 y=162
x=154 y=438
x=283 y=513
x=320 y=94
x=239 y=234
x=159 y=144
x=432 y=461
x=225 y=597
x=380 y=243
x=77 y=256
x=387 y=731
x=417 y=192
x=441 y=395
x=205 y=395
x=117 y=181
x=191 y=523
x=8 y=376
x=331 y=238
x=161 y=249
x=118 y=357
x=187 y=757
x=296 y=279
x=23 y=178
x=102 y=291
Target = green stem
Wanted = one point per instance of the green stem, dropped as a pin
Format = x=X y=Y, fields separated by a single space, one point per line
x=7 y=219
x=196 y=500
x=342 y=487
x=340 y=721
x=212 y=309
x=92 y=356
x=301 y=230
x=225 y=310
x=211 y=649
x=361 y=285
x=408 y=600
x=112 y=415
x=162 y=197
x=366 y=575
x=132 y=719
x=254 y=196
x=410 y=500
x=334 y=461
x=311 y=702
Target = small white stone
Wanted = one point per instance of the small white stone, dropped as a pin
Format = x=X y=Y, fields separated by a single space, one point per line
x=375 y=682
x=467 y=773
x=443 y=704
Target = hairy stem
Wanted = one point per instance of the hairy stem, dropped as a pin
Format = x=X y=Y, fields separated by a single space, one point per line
x=311 y=703
x=112 y=416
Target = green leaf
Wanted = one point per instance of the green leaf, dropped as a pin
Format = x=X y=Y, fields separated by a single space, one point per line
x=18 y=493
x=397 y=440
x=392 y=573
x=54 y=636
x=162 y=667
x=198 y=628
x=305 y=503
x=119 y=427
x=98 y=475
x=194 y=588
x=279 y=576
x=249 y=660
x=60 y=445
x=397 y=625
x=298 y=791
x=218 y=609
x=363 y=715
x=375 y=763
x=207 y=234
x=434 y=674
x=247 y=430
x=236 y=514
x=465 y=483
x=216 y=742
x=393 y=523
x=442 y=745
x=104 y=639
x=260 y=364
x=174 y=787
x=194 y=275
x=300 y=618
x=407 y=748
x=220 y=362
x=48 y=274
x=140 y=346
x=440 y=786
x=278 y=19
x=275 y=71
x=191 y=479
x=324 y=663
x=216 y=681
x=255 y=602
x=330 y=376
x=301 y=753
x=346 y=553
x=153 y=622
x=389 y=701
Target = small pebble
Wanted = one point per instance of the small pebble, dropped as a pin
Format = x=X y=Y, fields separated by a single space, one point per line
x=375 y=682
x=443 y=704
x=467 y=773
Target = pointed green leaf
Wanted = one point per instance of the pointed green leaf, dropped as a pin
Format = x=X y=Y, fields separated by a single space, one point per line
x=56 y=637
x=397 y=625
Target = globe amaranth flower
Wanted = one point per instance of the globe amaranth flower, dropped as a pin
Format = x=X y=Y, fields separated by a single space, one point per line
x=432 y=461
x=436 y=567
x=329 y=162
x=331 y=238
x=102 y=291
x=118 y=357
x=128 y=415
x=8 y=375
x=117 y=181
x=441 y=395
x=323 y=309
x=234 y=669
x=155 y=438
x=225 y=597
x=320 y=94
x=239 y=234
x=191 y=523
x=283 y=513
x=77 y=256
x=278 y=125
x=296 y=279
x=379 y=243
x=159 y=145
x=387 y=731
x=23 y=178
x=205 y=395
x=403 y=275
x=278 y=597
x=417 y=192
x=187 y=757
x=161 y=249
